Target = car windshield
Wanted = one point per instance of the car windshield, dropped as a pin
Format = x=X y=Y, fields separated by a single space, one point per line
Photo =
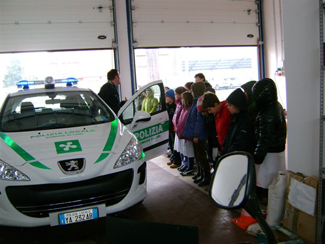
x=50 y=110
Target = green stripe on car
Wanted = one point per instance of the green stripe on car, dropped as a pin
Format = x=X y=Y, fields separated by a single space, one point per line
x=39 y=165
x=142 y=156
x=112 y=135
x=110 y=141
x=21 y=152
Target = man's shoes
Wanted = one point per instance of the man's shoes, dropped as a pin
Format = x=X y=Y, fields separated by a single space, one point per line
x=174 y=166
x=187 y=172
x=169 y=163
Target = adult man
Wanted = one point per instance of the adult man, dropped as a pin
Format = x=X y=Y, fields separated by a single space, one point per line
x=199 y=77
x=108 y=91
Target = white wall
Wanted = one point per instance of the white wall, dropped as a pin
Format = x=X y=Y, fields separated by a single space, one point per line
x=302 y=67
x=274 y=46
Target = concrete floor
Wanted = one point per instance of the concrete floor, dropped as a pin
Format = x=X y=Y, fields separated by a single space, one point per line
x=172 y=199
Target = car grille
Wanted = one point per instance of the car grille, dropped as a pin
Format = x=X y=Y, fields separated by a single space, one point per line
x=40 y=200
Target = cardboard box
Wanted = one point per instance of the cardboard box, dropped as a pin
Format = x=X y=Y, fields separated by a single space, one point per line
x=306 y=225
x=301 y=223
x=290 y=218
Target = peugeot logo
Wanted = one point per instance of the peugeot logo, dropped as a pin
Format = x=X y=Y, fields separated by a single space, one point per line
x=72 y=166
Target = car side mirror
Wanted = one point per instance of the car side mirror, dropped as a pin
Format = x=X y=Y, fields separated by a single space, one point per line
x=140 y=116
x=229 y=184
x=233 y=186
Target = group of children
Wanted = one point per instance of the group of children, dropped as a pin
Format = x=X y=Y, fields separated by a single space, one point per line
x=203 y=128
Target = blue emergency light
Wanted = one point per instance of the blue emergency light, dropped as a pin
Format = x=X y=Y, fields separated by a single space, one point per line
x=70 y=81
x=25 y=84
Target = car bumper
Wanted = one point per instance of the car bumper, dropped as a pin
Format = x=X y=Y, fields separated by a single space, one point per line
x=38 y=205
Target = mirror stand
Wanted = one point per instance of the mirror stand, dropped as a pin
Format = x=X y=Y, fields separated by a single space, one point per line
x=253 y=208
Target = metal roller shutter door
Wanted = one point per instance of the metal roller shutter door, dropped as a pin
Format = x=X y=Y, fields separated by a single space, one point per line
x=37 y=25
x=168 y=23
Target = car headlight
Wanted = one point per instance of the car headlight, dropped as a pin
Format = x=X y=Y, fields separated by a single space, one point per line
x=131 y=153
x=7 y=172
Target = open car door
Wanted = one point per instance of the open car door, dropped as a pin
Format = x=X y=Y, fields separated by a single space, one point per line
x=145 y=114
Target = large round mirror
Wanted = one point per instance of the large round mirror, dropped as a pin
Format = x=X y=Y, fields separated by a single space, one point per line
x=230 y=181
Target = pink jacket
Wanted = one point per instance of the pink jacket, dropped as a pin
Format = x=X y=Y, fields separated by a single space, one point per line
x=177 y=113
x=181 y=121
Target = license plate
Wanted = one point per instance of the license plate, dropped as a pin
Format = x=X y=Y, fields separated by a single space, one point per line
x=78 y=216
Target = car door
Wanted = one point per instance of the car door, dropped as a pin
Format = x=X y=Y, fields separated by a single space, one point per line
x=145 y=115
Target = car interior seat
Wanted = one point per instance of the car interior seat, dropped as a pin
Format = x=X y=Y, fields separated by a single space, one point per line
x=77 y=108
x=70 y=102
x=27 y=119
x=27 y=108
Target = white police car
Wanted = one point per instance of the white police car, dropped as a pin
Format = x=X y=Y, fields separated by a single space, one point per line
x=65 y=157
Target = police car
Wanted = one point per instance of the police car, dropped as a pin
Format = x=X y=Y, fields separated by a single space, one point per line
x=65 y=157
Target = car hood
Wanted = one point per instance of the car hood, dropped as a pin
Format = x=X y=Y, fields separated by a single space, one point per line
x=39 y=152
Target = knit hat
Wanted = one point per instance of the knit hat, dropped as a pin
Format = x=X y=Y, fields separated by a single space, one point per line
x=199 y=105
x=170 y=93
x=238 y=98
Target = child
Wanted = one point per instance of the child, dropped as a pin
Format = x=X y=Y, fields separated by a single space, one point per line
x=271 y=133
x=199 y=77
x=178 y=100
x=250 y=99
x=187 y=150
x=150 y=103
x=171 y=106
x=188 y=86
x=220 y=110
x=195 y=130
x=240 y=136
x=212 y=140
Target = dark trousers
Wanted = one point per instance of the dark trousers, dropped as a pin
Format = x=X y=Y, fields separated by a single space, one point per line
x=201 y=157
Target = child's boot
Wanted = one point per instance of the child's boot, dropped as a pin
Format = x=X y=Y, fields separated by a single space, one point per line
x=206 y=179
x=189 y=170
x=200 y=178
x=198 y=172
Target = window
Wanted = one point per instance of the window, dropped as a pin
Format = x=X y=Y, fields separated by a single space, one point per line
x=150 y=101
x=51 y=110
x=89 y=67
x=232 y=66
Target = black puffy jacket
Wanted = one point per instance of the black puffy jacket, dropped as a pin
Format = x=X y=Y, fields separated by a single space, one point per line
x=270 y=123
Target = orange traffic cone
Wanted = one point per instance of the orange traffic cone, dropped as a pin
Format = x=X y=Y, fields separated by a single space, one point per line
x=244 y=220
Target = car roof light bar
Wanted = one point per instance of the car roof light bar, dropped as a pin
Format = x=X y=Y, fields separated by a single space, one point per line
x=49 y=82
